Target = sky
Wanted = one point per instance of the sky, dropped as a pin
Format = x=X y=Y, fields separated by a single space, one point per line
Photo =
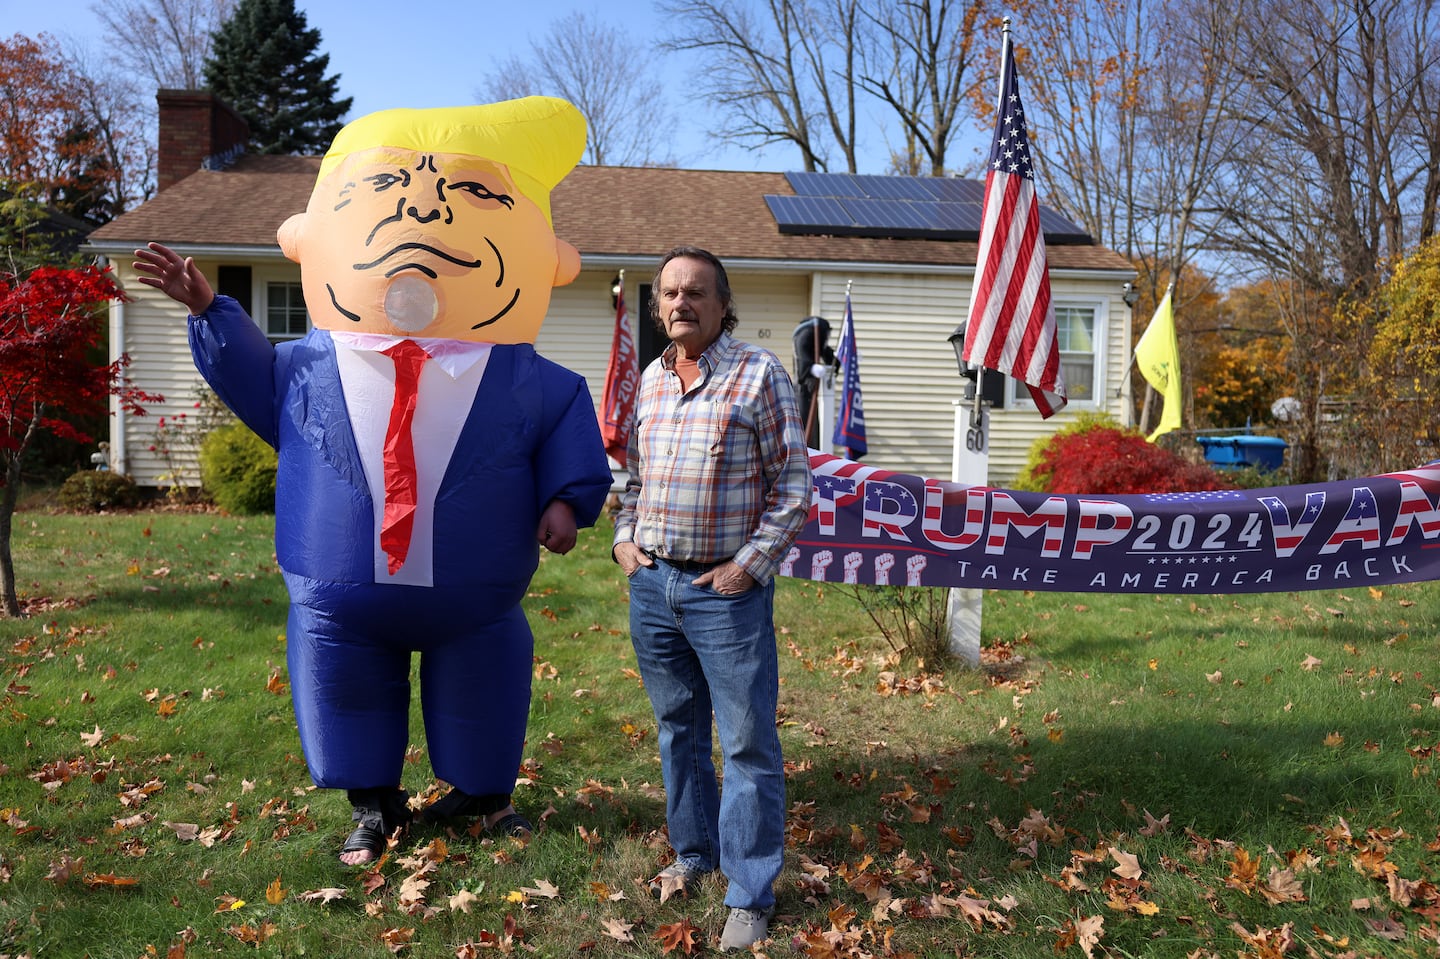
x=426 y=53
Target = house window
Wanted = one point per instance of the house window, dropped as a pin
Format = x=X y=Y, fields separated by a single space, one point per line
x=1079 y=362
x=284 y=311
x=1075 y=329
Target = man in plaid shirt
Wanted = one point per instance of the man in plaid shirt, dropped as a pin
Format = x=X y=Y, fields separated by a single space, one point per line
x=719 y=488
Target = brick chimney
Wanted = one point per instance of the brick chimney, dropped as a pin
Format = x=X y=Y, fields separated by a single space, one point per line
x=197 y=131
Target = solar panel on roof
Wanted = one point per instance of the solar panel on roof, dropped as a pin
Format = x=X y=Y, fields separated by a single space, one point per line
x=893 y=187
x=954 y=189
x=824 y=184
x=902 y=207
x=807 y=214
x=901 y=217
x=960 y=219
x=1060 y=229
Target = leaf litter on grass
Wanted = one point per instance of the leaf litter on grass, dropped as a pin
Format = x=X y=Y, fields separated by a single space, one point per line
x=924 y=820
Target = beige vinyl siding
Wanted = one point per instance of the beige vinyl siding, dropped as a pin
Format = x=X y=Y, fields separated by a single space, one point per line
x=155 y=337
x=579 y=326
x=581 y=322
x=910 y=381
x=907 y=367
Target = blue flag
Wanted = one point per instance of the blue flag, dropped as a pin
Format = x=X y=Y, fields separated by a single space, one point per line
x=850 y=418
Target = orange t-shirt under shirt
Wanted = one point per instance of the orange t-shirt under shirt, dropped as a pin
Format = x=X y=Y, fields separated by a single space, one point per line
x=688 y=371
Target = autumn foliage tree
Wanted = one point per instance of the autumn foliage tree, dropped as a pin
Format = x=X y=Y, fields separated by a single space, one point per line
x=50 y=334
x=1394 y=334
x=48 y=150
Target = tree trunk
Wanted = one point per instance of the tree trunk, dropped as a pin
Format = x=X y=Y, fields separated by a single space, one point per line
x=9 y=496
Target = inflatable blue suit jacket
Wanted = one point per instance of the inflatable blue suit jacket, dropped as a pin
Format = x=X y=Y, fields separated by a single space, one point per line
x=530 y=437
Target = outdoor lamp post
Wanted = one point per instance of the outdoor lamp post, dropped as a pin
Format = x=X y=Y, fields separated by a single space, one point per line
x=957 y=342
x=969 y=464
x=1130 y=294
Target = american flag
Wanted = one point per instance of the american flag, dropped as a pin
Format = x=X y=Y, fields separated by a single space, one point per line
x=1012 y=320
x=622 y=382
x=850 y=420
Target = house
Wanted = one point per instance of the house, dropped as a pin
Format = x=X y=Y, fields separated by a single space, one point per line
x=782 y=239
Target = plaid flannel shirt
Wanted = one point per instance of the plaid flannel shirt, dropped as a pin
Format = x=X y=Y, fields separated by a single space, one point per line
x=722 y=471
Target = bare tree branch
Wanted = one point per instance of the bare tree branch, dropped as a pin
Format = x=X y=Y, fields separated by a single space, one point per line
x=165 y=40
x=591 y=65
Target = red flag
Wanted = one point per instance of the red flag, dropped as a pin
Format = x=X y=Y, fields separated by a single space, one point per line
x=1012 y=320
x=622 y=382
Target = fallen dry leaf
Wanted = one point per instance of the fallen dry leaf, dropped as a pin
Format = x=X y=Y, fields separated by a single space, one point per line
x=253 y=934
x=1089 y=931
x=1129 y=865
x=184 y=831
x=63 y=868
x=669 y=886
x=543 y=888
x=462 y=901
x=680 y=935
x=1386 y=928
x=1154 y=827
x=1282 y=886
x=96 y=879
x=396 y=939
x=618 y=929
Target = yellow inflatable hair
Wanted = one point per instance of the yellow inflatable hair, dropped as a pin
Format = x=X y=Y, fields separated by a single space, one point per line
x=539 y=139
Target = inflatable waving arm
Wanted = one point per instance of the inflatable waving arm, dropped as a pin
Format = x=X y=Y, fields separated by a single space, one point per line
x=230 y=351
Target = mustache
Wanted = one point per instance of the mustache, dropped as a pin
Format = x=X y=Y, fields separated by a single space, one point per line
x=414 y=247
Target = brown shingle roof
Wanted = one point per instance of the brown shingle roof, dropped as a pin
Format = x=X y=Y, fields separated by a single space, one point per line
x=242 y=205
x=622 y=211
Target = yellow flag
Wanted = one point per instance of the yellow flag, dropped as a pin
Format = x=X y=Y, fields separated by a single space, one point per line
x=1159 y=359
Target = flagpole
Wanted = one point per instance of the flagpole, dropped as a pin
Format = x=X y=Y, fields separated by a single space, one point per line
x=976 y=413
x=622 y=380
x=830 y=412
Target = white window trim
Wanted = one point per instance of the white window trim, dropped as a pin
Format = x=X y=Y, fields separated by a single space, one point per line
x=260 y=279
x=1018 y=397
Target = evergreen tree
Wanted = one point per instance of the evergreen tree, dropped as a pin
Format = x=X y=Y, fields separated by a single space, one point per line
x=264 y=63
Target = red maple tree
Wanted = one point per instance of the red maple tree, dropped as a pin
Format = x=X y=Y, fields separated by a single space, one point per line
x=51 y=331
x=1119 y=461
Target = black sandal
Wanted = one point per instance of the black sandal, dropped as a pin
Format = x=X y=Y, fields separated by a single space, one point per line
x=378 y=814
x=512 y=825
x=457 y=804
x=365 y=839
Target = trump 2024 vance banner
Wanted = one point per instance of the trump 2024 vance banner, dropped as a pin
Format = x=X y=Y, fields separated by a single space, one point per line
x=873 y=526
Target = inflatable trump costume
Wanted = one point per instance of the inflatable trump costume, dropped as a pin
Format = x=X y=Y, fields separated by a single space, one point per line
x=426 y=451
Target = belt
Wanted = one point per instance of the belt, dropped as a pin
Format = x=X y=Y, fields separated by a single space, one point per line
x=685 y=565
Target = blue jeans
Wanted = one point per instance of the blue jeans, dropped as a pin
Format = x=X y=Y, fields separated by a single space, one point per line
x=701 y=652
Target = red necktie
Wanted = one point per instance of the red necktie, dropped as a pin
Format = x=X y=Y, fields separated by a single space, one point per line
x=400 y=492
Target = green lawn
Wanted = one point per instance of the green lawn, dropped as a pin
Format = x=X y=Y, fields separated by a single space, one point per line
x=1134 y=775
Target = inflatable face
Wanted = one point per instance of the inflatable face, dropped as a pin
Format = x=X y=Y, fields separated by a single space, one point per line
x=451 y=239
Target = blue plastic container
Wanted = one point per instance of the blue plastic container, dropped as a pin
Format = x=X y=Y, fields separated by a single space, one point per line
x=1239 y=452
